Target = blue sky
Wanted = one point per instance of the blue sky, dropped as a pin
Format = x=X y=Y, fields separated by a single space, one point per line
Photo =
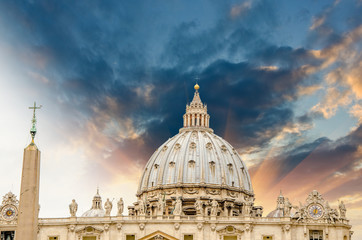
x=282 y=80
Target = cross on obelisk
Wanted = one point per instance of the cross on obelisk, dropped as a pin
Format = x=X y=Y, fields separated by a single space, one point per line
x=33 y=128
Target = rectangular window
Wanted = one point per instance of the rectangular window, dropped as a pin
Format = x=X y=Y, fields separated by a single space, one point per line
x=130 y=237
x=90 y=238
x=188 y=237
x=267 y=237
x=315 y=235
x=230 y=238
x=53 y=238
x=8 y=235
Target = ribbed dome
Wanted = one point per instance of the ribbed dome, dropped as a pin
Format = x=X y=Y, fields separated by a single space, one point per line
x=96 y=210
x=277 y=213
x=196 y=157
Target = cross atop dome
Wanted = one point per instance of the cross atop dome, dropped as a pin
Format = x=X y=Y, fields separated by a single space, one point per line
x=196 y=113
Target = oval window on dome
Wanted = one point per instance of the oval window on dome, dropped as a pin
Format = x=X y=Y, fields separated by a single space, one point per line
x=193 y=145
x=209 y=145
x=177 y=146
x=192 y=163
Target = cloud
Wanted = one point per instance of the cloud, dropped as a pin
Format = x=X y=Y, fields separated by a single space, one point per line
x=331 y=167
x=330 y=103
x=308 y=90
x=356 y=111
x=239 y=9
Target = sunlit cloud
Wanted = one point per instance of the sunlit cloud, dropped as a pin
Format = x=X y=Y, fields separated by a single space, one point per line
x=240 y=9
x=330 y=103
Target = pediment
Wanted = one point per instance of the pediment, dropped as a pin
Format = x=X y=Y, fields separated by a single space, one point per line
x=158 y=235
x=89 y=230
x=229 y=230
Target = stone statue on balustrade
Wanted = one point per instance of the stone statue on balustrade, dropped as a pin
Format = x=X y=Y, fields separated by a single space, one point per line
x=120 y=206
x=141 y=207
x=287 y=208
x=108 y=207
x=248 y=204
x=178 y=207
x=214 y=207
x=342 y=210
x=161 y=205
x=198 y=206
x=73 y=208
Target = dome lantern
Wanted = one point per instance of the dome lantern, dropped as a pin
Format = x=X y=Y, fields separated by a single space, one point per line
x=196 y=113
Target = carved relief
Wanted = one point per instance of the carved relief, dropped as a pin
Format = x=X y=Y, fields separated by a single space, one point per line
x=88 y=231
x=10 y=198
x=190 y=190
x=286 y=228
x=232 y=194
x=119 y=226
x=141 y=226
x=169 y=192
x=200 y=226
x=158 y=237
x=315 y=197
x=213 y=191
x=176 y=226
x=229 y=230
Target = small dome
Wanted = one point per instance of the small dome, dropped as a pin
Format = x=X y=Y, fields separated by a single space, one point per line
x=96 y=210
x=277 y=213
x=94 y=213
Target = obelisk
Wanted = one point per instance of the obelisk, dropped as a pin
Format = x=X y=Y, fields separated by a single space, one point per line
x=27 y=227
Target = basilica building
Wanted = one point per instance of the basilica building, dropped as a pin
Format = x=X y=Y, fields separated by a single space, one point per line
x=194 y=186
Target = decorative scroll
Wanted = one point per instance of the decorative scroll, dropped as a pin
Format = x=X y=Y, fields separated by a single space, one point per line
x=213 y=191
x=191 y=190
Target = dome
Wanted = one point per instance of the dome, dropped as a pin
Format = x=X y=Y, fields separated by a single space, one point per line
x=196 y=158
x=96 y=210
x=94 y=213
x=277 y=213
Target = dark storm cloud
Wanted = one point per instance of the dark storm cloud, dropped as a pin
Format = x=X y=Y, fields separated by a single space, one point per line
x=98 y=51
x=330 y=24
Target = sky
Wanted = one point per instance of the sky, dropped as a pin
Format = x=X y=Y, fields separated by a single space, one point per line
x=282 y=81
